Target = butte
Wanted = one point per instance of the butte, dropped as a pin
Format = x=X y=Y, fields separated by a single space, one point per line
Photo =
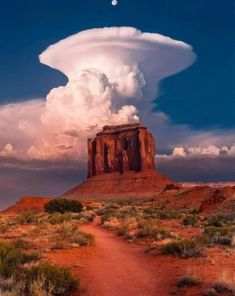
x=121 y=163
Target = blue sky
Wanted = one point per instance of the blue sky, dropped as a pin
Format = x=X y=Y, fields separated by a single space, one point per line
x=199 y=101
x=28 y=27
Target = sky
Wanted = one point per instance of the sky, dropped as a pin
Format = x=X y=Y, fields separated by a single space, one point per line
x=194 y=119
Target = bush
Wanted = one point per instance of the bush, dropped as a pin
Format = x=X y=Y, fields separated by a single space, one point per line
x=220 y=220
x=71 y=233
x=187 y=281
x=220 y=235
x=12 y=257
x=58 y=218
x=84 y=239
x=171 y=187
x=58 y=279
x=150 y=228
x=182 y=248
x=224 y=288
x=27 y=217
x=63 y=206
x=168 y=214
x=190 y=220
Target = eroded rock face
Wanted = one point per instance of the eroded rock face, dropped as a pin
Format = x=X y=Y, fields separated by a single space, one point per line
x=121 y=148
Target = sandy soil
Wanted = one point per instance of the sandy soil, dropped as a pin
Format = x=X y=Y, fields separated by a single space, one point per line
x=115 y=267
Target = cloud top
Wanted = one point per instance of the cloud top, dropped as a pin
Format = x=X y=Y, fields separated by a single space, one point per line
x=118 y=51
x=113 y=76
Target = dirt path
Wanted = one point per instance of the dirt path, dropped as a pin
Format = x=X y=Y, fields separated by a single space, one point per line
x=119 y=268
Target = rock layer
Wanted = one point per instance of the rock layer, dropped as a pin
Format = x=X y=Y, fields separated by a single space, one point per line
x=121 y=148
x=121 y=162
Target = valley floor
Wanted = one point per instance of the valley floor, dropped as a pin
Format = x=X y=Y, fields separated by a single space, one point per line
x=115 y=267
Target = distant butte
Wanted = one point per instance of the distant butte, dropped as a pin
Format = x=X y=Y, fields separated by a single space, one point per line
x=121 y=161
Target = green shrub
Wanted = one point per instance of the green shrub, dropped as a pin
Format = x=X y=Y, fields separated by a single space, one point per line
x=171 y=187
x=58 y=218
x=71 y=233
x=150 y=228
x=27 y=217
x=182 y=248
x=60 y=278
x=187 y=281
x=12 y=257
x=220 y=235
x=220 y=220
x=63 y=206
x=67 y=231
x=84 y=239
x=224 y=231
x=168 y=214
x=221 y=287
x=190 y=220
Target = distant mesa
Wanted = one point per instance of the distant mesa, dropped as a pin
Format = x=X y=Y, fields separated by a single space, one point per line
x=121 y=160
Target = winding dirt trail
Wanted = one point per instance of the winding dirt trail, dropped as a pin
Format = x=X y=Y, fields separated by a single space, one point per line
x=119 y=268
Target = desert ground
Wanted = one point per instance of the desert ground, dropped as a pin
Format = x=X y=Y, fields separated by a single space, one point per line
x=180 y=242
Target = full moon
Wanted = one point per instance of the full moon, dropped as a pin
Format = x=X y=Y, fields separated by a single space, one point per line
x=114 y=2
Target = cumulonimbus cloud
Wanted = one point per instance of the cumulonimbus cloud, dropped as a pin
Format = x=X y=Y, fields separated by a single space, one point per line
x=113 y=76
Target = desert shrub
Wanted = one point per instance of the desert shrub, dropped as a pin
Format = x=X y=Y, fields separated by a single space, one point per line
x=20 y=244
x=12 y=257
x=190 y=220
x=150 y=228
x=219 y=239
x=27 y=217
x=63 y=206
x=210 y=292
x=226 y=230
x=220 y=235
x=150 y=212
x=66 y=231
x=221 y=287
x=84 y=217
x=58 y=280
x=168 y=214
x=220 y=220
x=112 y=205
x=182 y=248
x=109 y=215
x=194 y=211
x=4 y=228
x=83 y=238
x=9 y=287
x=71 y=233
x=171 y=187
x=187 y=281
x=58 y=218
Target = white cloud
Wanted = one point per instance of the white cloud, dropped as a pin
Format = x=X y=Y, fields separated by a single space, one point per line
x=8 y=150
x=201 y=151
x=178 y=151
x=112 y=73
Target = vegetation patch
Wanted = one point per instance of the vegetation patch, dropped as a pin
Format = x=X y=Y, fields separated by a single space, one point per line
x=187 y=281
x=63 y=205
x=182 y=248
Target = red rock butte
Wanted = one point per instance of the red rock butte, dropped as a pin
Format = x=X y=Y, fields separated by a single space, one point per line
x=121 y=162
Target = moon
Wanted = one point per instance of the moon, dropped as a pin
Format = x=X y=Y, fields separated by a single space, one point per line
x=114 y=2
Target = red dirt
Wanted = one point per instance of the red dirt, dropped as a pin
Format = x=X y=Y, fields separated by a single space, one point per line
x=113 y=185
x=32 y=203
x=206 y=199
x=115 y=267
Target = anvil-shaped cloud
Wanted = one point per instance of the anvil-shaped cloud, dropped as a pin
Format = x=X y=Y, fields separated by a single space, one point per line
x=113 y=75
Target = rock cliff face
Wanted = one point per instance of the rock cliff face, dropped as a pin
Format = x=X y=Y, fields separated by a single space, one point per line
x=121 y=148
x=121 y=163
